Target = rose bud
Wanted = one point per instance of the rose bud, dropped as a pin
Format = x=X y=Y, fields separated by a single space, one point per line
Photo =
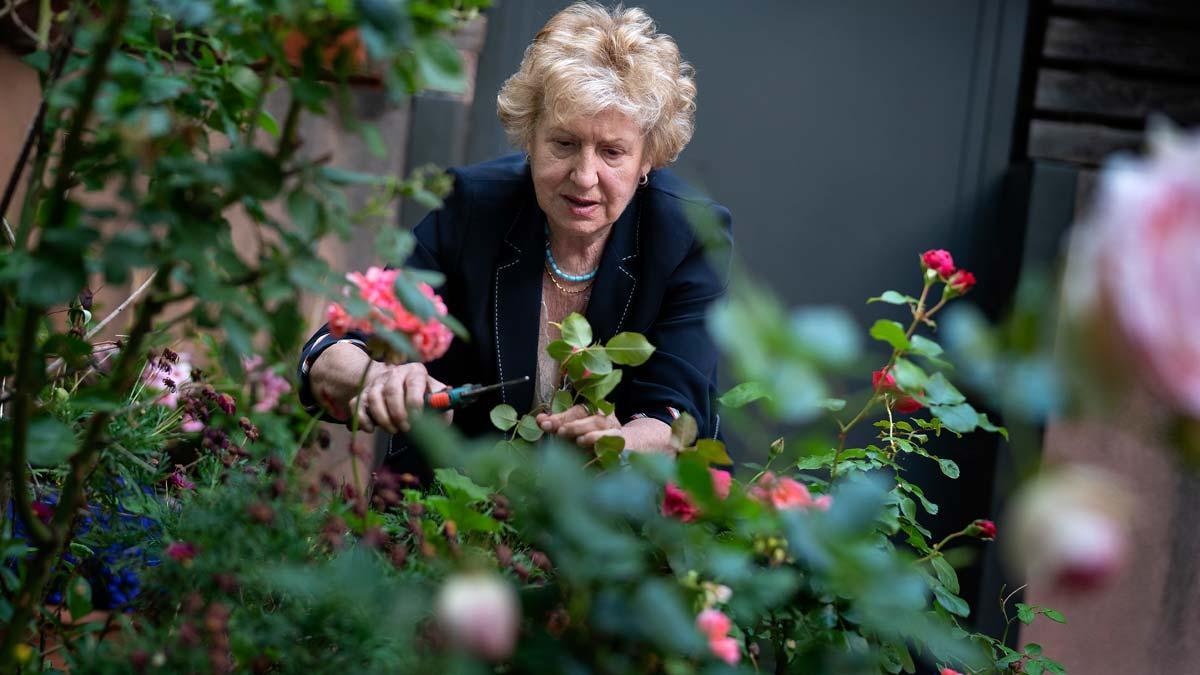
x=181 y=551
x=479 y=613
x=948 y=671
x=939 y=260
x=503 y=555
x=984 y=529
x=398 y=554
x=226 y=403
x=261 y=512
x=1069 y=528
x=961 y=281
x=541 y=561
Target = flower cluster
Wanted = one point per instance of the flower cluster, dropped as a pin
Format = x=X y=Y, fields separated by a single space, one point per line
x=939 y=264
x=430 y=338
x=715 y=626
x=678 y=504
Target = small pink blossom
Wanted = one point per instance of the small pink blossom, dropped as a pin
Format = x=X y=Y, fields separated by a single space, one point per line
x=265 y=384
x=948 y=671
x=722 y=480
x=191 y=425
x=984 y=529
x=727 y=649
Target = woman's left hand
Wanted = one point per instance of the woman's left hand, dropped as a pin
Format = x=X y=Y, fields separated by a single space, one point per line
x=576 y=424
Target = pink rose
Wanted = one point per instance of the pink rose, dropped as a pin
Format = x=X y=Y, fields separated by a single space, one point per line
x=948 y=671
x=715 y=626
x=722 y=480
x=480 y=613
x=180 y=481
x=939 y=260
x=1136 y=264
x=677 y=504
x=784 y=493
x=961 y=281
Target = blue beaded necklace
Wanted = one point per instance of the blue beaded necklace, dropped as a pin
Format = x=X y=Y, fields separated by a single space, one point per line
x=561 y=274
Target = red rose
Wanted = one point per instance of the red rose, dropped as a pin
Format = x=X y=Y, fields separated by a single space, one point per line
x=939 y=260
x=678 y=504
x=984 y=529
x=961 y=281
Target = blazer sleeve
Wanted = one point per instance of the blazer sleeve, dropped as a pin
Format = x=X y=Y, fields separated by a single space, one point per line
x=437 y=241
x=681 y=374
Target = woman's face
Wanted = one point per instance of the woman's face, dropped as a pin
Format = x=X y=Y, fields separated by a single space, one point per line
x=586 y=170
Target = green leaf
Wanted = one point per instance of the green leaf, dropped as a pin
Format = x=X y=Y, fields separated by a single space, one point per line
x=559 y=350
x=268 y=124
x=607 y=444
x=79 y=598
x=949 y=467
x=528 y=428
x=1034 y=668
x=683 y=431
x=713 y=451
x=890 y=332
x=253 y=172
x=439 y=64
x=467 y=519
x=743 y=394
x=305 y=212
x=1033 y=649
x=1025 y=613
x=629 y=349
x=504 y=417
x=923 y=346
x=576 y=331
x=1053 y=615
x=939 y=391
x=909 y=376
x=50 y=442
x=832 y=404
x=562 y=401
x=374 y=140
x=986 y=425
x=960 y=418
x=892 y=298
x=596 y=388
x=596 y=360
x=455 y=482
x=945 y=573
x=344 y=177
x=951 y=602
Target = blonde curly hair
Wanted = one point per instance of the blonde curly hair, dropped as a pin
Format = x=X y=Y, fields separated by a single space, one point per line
x=588 y=59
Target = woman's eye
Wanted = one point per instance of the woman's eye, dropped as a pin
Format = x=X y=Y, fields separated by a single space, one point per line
x=563 y=144
x=613 y=153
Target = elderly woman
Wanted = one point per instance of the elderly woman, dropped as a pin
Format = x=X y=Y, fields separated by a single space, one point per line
x=585 y=220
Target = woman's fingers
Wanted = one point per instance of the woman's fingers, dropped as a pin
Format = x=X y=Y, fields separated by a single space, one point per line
x=587 y=424
x=553 y=423
x=416 y=381
x=378 y=406
x=359 y=405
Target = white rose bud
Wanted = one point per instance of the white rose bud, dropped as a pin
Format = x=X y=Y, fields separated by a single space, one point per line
x=479 y=612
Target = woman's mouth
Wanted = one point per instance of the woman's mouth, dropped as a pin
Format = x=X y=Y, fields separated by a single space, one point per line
x=581 y=207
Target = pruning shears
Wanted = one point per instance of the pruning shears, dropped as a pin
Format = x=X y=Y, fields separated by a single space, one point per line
x=463 y=395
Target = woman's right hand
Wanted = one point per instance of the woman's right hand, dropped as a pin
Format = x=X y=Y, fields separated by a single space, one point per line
x=390 y=393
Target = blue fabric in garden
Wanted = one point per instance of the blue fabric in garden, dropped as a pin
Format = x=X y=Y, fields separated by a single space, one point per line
x=654 y=278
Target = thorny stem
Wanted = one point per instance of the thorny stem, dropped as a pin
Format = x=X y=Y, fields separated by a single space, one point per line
x=1004 y=610
x=937 y=548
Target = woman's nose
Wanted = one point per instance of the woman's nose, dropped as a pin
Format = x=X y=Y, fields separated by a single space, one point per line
x=584 y=174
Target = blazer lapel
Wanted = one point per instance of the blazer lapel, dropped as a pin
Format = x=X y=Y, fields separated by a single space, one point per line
x=616 y=279
x=517 y=303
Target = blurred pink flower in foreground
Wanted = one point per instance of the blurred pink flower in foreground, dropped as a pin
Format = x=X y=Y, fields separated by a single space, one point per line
x=1136 y=263
x=265 y=384
x=786 y=493
x=714 y=626
x=430 y=338
x=1069 y=528
x=480 y=613
x=677 y=504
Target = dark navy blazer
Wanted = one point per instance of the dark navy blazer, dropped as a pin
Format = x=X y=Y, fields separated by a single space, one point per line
x=655 y=278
